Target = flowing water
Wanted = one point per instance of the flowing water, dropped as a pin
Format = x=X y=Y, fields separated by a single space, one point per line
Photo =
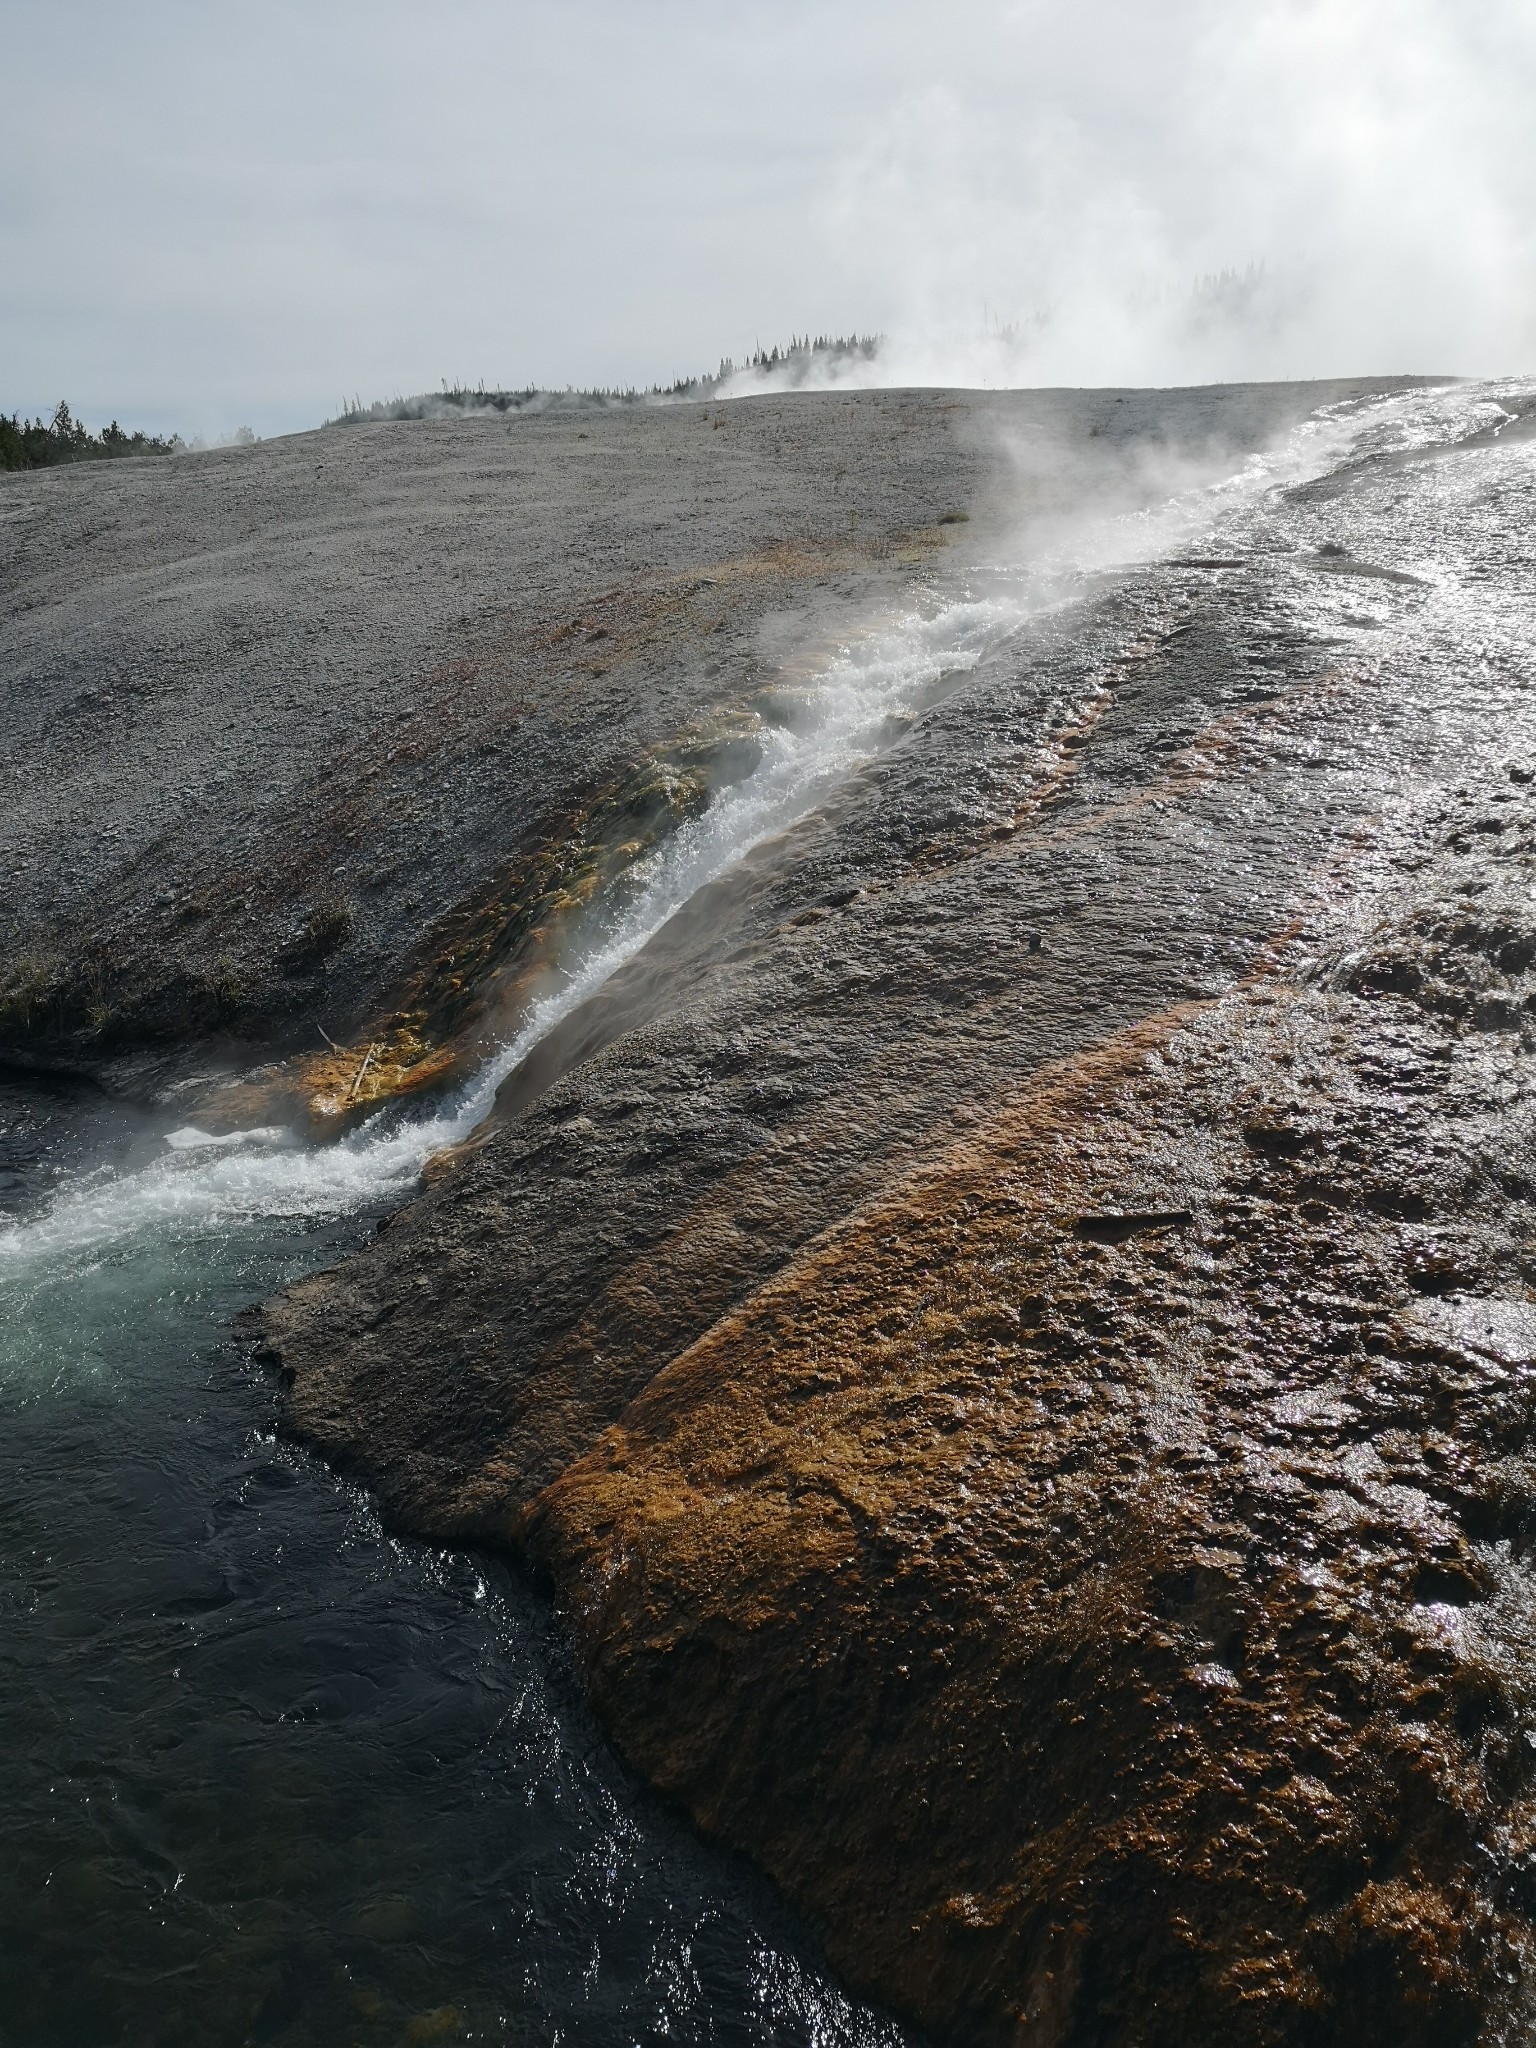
x=271 y=1774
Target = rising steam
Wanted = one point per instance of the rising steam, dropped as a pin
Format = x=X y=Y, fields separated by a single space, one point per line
x=1186 y=193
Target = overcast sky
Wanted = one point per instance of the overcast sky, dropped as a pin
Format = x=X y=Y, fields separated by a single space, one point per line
x=218 y=214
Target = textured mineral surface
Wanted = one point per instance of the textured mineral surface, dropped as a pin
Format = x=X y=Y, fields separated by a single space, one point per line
x=1008 y=1325
x=1010 y=1331
x=300 y=742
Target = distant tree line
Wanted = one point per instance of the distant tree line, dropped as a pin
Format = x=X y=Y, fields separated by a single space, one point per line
x=803 y=350
x=38 y=444
x=790 y=364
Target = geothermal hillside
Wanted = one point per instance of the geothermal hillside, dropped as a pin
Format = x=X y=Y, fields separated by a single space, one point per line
x=988 y=1271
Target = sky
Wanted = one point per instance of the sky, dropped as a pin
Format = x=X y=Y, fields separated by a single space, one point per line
x=215 y=215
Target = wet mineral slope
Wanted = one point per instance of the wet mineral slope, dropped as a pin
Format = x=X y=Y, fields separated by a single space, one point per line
x=283 y=725
x=272 y=714
x=1009 y=1327
x=306 y=738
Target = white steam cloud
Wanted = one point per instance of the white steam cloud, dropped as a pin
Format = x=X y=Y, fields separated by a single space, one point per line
x=1185 y=192
x=245 y=214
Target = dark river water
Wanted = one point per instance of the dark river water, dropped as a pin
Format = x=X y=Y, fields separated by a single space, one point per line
x=269 y=1774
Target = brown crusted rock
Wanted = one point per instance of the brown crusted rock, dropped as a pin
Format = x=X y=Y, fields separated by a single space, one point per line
x=1104 y=1641
x=1010 y=1328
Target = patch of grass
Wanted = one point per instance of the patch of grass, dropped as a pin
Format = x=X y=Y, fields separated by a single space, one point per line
x=42 y=999
x=227 y=986
x=27 y=992
x=328 y=927
x=92 y=998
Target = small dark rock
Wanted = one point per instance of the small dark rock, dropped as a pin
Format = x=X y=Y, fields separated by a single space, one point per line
x=1115 y=1228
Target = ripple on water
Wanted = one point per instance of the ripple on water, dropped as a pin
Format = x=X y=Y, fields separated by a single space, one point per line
x=273 y=1775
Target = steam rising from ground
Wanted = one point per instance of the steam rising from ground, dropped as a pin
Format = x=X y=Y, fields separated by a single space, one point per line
x=1192 y=192
x=865 y=698
x=577 y=192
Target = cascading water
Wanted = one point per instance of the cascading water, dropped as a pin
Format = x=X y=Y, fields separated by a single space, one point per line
x=241 y=1721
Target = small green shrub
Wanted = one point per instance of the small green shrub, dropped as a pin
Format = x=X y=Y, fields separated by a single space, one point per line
x=27 y=990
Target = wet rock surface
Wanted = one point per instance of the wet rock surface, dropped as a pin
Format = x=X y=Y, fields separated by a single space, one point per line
x=288 y=730
x=1107 y=1638
x=1010 y=1330
x=1008 y=1326
x=272 y=714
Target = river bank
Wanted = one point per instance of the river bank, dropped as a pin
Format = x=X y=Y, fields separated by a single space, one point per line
x=989 y=1280
x=272 y=1774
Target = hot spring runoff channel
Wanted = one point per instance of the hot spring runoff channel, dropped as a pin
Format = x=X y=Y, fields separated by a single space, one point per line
x=270 y=1774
